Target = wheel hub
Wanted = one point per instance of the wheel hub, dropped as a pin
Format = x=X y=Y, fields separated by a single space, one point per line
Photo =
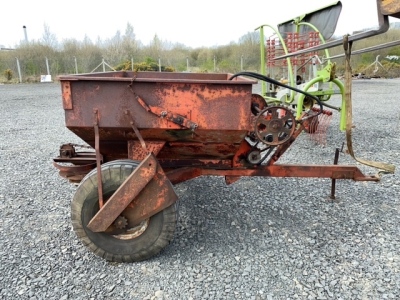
x=133 y=232
x=121 y=222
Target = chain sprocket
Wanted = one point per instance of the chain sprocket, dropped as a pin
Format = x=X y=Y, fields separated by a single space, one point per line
x=121 y=222
x=274 y=125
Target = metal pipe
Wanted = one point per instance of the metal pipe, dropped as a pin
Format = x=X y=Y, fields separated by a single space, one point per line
x=368 y=49
x=25 y=34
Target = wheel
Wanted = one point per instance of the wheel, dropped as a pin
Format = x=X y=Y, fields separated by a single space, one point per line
x=132 y=244
x=254 y=157
x=275 y=125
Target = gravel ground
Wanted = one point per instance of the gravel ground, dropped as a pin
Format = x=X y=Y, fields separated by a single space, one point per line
x=260 y=238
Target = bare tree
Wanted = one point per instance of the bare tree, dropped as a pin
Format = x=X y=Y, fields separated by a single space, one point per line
x=129 y=44
x=71 y=51
x=155 y=48
x=90 y=55
x=113 y=52
x=49 y=38
x=249 y=50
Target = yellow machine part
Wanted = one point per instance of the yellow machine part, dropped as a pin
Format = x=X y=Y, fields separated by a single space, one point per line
x=390 y=8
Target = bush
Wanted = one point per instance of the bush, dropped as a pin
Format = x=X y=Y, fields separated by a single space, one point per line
x=8 y=74
x=148 y=65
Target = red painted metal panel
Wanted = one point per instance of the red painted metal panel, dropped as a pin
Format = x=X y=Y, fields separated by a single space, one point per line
x=221 y=109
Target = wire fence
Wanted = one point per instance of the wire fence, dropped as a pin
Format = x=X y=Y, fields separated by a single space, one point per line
x=22 y=70
x=36 y=69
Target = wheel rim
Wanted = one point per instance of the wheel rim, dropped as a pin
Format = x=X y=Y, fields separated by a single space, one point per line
x=133 y=232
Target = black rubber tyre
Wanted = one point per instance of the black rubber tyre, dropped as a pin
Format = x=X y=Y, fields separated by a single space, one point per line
x=152 y=236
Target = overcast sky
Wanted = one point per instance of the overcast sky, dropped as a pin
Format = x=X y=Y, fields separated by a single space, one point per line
x=192 y=23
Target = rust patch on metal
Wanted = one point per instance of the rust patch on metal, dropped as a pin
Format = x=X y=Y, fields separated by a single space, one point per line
x=136 y=152
x=309 y=171
x=240 y=155
x=187 y=150
x=66 y=95
x=183 y=174
x=158 y=195
x=204 y=163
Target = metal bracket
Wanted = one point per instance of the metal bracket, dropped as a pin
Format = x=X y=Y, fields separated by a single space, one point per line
x=170 y=116
x=144 y=193
x=98 y=156
x=124 y=195
x=136 y=130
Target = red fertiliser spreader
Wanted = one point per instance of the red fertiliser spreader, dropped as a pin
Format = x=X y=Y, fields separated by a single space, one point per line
x=148 y=131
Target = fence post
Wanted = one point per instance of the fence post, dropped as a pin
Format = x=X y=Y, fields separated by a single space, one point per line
x=47 y=65
x=76 y=65
x=214 y=63
x=19 y=71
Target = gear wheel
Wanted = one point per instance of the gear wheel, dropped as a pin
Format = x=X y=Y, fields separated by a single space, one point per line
x=275 y=125
x=121 y=222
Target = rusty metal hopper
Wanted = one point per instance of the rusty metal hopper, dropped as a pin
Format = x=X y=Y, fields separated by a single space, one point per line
x=190 y=112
